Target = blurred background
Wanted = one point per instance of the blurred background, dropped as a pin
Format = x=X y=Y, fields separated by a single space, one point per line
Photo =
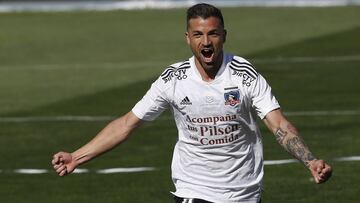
x=67 y=68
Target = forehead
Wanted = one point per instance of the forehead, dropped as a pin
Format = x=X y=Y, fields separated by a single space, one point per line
x=202 y=24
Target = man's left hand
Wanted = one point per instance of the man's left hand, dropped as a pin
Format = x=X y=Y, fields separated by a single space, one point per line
x=320 y=170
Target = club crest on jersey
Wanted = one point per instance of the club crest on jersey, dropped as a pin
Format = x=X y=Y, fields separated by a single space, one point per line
x=232 y=98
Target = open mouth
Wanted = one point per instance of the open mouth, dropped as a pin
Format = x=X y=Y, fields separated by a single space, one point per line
x=207 y=54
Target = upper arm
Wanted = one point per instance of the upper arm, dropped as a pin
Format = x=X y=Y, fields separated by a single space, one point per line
x=278 y=123
x=154 y=102
x=123 y=126
x=262 y=99
x=131 y=121
x=274 y=120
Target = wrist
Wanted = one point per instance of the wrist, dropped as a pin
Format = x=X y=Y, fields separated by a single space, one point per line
x=309 y=162
x=79 y=158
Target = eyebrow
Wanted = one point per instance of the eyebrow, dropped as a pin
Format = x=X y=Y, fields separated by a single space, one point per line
x=209 y=32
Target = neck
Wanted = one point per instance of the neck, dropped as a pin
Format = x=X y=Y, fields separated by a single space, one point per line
x=209 y=72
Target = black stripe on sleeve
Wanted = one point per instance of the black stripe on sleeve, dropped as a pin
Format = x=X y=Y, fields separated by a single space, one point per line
x=243 y=69
x=251 y=68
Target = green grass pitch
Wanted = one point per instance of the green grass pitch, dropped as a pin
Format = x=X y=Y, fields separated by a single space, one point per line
x=101 y=63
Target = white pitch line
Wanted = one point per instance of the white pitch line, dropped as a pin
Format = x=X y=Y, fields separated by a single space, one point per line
x=125 y=170
x=66 y=6
x=141 y=64
x=287 y=161
x=279 y=162
x=350 y=158
x=31 y=171
x=145 y=169
x=324 y=113
x=81 y=170
x=55 y=119
x=307 y=59
x=109 y=118
x=50 y=67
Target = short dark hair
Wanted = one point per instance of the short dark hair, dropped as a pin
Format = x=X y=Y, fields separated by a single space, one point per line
x=204 y=11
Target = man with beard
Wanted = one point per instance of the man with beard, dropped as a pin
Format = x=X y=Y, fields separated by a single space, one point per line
x=215 y=98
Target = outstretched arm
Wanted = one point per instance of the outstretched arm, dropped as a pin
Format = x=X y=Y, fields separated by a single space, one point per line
x=289 y=138
x=112 y=135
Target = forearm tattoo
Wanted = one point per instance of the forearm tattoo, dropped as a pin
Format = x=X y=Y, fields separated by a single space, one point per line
x=289 y=139
x=280 y=135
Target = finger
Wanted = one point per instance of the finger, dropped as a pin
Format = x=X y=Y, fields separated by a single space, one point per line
x=316 y=176
x=326 y=170
x=63 y=172
x=315 y=171
x=57 y=166
x=317 y=180
x=53 y=162
x=55 y=159
x=58 y=157
x=61 y=168
x=322 y=163
x=320 y=166
x=320 y=181
x=323 y=177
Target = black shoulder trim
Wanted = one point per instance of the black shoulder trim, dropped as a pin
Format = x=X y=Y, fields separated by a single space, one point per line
x=243 y=70
x=168 y=71
x=244 y=66
x=186 y=63
x=178 y=71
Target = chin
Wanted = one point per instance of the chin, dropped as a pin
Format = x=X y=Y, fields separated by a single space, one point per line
x=208 y=63
x=208 y=66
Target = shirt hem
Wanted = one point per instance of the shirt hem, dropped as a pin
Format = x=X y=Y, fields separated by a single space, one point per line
x=197 y=196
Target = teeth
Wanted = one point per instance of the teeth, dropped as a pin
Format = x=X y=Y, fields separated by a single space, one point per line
x=207 y=51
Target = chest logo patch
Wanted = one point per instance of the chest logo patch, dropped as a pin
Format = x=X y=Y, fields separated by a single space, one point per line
x=186 y=101
x=232 y=97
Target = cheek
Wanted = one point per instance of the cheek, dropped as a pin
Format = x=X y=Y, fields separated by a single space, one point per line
x=188 y=41
x=219 y=43
x=194 y=49
x=193 y=44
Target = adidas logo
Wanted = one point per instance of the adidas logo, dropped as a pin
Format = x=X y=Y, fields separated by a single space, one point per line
x=186 y=101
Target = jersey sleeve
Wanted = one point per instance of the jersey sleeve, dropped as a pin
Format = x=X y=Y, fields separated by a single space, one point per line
x=153 y=103
x=263 y=101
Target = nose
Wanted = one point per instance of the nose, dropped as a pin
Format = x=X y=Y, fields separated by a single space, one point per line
x=206 y=40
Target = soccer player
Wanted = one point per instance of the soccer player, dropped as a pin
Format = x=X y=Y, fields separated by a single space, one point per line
x=214 y=97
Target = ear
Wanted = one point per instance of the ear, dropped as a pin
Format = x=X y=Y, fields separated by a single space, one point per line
x=187 y=38
x=225 y=33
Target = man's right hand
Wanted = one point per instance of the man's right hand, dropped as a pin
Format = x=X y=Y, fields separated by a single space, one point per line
x=63 y=163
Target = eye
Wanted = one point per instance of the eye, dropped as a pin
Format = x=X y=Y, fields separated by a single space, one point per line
x=214 y=34
x=197 y=35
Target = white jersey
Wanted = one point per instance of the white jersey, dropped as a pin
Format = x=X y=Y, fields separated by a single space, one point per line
x=218 y=156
